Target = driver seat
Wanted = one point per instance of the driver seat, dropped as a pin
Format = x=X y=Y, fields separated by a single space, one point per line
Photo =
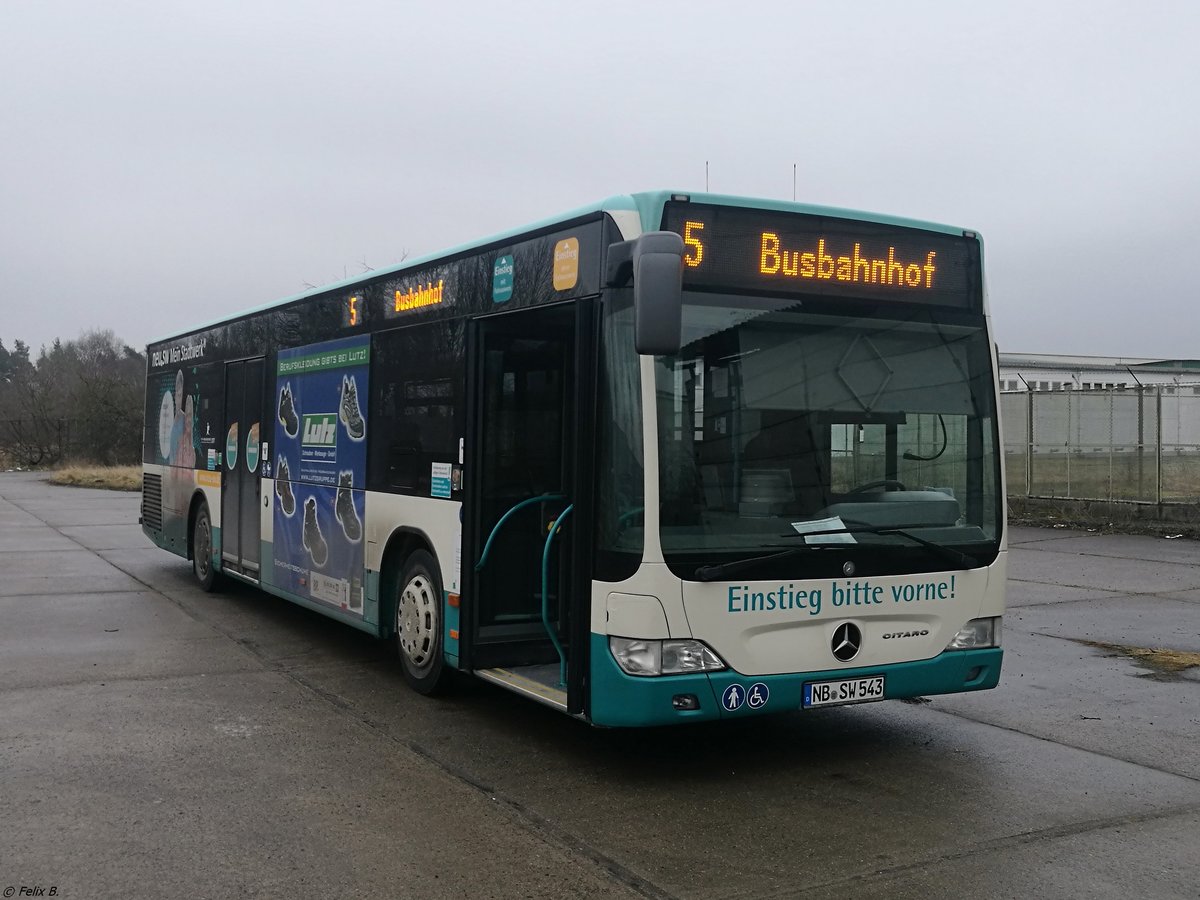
x=786 y=452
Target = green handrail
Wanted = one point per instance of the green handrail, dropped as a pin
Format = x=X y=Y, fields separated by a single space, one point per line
x=504 y=518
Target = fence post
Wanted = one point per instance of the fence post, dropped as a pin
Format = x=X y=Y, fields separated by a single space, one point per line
x=1066 y=448
x=1029 y=441
x=1141 y=447
x=1158 y=448
x=1112 y=403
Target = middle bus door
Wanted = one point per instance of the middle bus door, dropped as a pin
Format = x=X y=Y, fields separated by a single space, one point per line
x=241 y=493
x=529 y=466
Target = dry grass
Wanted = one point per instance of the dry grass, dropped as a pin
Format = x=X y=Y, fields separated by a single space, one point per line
x=1097 y=476
x=112 y=478
x=1160 y=658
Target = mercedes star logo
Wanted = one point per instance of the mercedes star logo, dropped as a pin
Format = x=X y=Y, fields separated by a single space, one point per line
x=847 y=640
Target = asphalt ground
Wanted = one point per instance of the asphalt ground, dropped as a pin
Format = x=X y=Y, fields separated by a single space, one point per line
x=156 y=741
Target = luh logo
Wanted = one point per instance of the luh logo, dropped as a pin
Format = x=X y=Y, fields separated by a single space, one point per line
x=320 y=430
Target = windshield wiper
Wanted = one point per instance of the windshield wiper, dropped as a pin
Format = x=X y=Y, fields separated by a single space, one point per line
x=957 y=557
x=712 y=573
x=960 y=559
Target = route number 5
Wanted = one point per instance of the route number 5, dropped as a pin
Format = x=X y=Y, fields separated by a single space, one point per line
x=695 y=252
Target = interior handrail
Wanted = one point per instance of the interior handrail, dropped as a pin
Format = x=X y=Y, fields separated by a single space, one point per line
x=504 y=518
x=562 y=657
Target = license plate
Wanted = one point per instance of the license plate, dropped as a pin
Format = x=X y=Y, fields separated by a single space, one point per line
x=839 y=693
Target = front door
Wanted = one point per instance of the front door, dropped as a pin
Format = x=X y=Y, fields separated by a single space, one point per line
x=241 y=492
x=529 y=478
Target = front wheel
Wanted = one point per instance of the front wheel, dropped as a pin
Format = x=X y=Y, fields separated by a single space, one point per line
x=419 y=624
x=202 y=550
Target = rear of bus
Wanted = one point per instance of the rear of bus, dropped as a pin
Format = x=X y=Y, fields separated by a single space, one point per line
x=820 y=514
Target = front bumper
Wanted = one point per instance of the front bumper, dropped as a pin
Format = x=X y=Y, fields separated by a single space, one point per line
x=620 y=700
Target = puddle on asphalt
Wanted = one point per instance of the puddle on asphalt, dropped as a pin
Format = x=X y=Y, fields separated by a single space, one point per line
x=1161 y=661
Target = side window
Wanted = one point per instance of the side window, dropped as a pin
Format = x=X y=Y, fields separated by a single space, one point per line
x=416 y=395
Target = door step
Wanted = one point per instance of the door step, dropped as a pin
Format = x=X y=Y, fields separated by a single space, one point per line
x=537 y=682
x=239 y=573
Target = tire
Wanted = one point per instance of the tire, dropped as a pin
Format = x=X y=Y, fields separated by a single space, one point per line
x=417 y=616
x=202 y=551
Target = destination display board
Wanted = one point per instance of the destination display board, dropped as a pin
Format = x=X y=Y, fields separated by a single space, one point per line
x=547 y=268
x=734 y=248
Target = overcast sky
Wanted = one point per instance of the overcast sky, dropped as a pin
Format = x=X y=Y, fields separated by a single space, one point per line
x=163 y=164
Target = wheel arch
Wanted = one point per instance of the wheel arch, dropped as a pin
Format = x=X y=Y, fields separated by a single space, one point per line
x=401 y=544
x=198 y=498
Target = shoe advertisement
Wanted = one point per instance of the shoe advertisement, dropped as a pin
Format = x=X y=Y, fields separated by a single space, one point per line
x=320 y=470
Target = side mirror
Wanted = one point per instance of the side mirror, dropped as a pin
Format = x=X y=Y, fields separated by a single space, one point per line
x=655 y=261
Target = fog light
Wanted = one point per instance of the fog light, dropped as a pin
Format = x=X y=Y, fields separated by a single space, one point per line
x=685 y=701
x=976 y=634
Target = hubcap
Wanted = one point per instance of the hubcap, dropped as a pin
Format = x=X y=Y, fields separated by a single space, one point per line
x=417 y=621
x=203 y=547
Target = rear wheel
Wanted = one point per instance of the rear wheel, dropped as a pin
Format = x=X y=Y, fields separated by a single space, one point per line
x=202 y=550
x=419 y=624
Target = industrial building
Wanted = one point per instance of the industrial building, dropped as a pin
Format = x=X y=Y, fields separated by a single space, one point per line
x=1057 y=372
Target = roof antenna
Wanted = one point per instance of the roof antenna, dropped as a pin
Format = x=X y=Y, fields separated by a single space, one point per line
x=793 y=182
x=706 y=176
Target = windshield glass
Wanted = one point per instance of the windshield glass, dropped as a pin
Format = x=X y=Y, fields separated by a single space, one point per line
x=779 y=420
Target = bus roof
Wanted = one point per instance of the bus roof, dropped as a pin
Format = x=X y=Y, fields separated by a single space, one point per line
x=648 y=206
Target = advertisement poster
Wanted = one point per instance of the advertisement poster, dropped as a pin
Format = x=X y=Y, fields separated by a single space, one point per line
x=181 y=432
x=320 y=470
x=176 y=421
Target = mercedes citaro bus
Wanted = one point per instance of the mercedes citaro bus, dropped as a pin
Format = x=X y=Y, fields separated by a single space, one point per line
x=666 y=458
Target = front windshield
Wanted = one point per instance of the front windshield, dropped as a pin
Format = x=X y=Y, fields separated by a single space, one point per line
x=779 y=420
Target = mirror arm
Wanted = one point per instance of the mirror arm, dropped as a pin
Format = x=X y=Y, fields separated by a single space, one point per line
x=619 y=270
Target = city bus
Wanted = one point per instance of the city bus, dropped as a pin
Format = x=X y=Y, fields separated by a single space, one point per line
x=667 y=458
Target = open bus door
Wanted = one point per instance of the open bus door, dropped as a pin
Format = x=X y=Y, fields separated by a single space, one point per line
x=529 y=481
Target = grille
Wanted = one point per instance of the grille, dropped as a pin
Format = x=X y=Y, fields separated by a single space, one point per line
x=152 y=515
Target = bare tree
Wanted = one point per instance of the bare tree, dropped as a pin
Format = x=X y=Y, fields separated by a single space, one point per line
x=82 y=399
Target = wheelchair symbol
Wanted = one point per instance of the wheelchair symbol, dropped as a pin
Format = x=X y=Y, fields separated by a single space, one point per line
x=758 y=695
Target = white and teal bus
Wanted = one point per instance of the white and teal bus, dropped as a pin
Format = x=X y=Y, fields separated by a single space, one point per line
x=667 y=458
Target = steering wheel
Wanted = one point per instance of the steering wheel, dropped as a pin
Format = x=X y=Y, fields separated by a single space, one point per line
x=886 y=484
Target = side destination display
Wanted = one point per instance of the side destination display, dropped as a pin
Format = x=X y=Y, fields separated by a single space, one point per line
x=320 y=471
x=734 y=249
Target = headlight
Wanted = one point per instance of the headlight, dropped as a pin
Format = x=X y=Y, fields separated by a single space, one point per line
x=977 y=633
x=636 y=656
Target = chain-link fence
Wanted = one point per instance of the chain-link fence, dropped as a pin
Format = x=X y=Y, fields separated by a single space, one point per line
x=1135 y=445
